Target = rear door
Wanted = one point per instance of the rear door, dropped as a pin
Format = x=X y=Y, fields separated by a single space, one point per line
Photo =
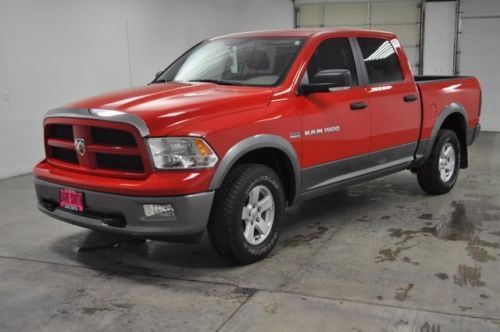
x=394 y=100
x=336 y=124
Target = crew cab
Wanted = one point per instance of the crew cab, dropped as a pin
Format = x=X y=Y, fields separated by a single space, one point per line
x=242 y=126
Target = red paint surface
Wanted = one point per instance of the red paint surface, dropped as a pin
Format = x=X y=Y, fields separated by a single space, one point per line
x=225 y=115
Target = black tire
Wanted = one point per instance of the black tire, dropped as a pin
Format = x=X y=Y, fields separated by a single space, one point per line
x=429 y=175
x=226 y=224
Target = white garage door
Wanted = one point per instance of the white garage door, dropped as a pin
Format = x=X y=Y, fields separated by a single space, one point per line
x=401 y=17
x=479 y=53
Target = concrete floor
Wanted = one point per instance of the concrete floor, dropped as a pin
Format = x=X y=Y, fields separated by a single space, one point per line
x=381 y=256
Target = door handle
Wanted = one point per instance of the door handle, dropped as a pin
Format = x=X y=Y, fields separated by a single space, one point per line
x=358 y=106
x=409 y=98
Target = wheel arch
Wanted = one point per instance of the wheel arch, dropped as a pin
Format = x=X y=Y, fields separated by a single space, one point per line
x=452 y=117
x=271 y=150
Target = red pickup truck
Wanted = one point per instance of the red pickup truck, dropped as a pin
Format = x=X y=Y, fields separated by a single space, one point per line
x=241 y=126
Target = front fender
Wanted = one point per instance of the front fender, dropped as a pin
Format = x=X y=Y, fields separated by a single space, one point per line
x=254 y=143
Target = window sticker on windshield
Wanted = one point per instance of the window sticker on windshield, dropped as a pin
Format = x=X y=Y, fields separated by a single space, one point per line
x=296 y=43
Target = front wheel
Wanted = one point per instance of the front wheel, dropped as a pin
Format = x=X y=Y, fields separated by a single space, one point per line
x=246 y=217
x=440 y=172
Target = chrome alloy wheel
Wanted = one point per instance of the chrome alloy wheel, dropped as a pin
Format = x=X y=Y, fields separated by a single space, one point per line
x=258 y=215
x=447 y=160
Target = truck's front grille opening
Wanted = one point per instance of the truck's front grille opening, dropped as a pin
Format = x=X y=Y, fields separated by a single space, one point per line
x=112 y=137
x=99 y=149
x=66 y=155
x=124 y=163
x=61 y=131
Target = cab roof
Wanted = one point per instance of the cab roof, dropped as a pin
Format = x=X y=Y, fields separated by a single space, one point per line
x=310 y=33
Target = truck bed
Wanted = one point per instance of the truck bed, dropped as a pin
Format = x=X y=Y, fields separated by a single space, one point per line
x=438 y=92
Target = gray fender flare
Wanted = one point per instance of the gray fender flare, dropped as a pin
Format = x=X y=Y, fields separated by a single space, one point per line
x=253 y=143
x=447 y=111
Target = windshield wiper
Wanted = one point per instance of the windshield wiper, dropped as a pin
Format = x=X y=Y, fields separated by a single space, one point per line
x=215 y=81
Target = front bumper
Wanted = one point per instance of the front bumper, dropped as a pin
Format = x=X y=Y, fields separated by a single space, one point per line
x=125 y=215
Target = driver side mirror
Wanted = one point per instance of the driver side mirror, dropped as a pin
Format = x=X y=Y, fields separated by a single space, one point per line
x=325 y=80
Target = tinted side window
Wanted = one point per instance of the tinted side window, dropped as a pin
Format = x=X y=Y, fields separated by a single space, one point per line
x=335 y=53
x=381 y=60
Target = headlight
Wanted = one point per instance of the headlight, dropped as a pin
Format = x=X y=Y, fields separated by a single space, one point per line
x=181 y=153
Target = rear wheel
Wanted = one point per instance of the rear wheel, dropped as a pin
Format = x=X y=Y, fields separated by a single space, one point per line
x=246 y=217
x=440 y=172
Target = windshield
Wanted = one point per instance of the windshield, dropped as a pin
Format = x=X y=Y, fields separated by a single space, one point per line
x=235 y=61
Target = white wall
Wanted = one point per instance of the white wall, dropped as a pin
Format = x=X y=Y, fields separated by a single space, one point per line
x=264 y=14
x=57 y=51
x=439 y=37
x=479 y=44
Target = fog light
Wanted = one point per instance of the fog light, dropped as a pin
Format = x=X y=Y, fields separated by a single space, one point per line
x=159 y=210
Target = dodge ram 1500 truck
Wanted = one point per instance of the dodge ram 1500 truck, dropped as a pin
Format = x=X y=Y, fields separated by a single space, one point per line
x=241 y=126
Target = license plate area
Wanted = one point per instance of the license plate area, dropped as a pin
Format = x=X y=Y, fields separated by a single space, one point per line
x=71 y=199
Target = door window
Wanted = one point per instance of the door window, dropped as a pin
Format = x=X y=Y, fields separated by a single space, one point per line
x=381 y=60
x=335 y=53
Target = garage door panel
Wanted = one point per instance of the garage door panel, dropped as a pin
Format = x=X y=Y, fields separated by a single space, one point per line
x=475 y=7
x=479 y=64
x=480 y=25
x=345 y=14
x=309 y=15
x=407 y=34
x=346 y=26
x=471 y=43
x=394 y=12
x=400 y=17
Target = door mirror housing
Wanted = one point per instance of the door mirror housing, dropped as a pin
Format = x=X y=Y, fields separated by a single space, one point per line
x=325 y=80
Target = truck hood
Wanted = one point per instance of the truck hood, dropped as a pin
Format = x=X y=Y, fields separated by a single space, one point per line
x=170 y=106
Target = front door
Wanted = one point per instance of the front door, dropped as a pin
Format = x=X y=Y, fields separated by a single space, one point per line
x=335 y=124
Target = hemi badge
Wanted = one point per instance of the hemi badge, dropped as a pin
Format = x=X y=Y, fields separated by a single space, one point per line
x=294 y=135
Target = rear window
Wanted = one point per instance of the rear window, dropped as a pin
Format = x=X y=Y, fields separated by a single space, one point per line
x=381 y=60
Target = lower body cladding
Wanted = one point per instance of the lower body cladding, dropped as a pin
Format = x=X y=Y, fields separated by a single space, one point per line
x=353 y=170
x=186 y=220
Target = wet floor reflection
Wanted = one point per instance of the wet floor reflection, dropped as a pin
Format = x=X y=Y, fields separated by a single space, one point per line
x=459 y=227
x=468 y=276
